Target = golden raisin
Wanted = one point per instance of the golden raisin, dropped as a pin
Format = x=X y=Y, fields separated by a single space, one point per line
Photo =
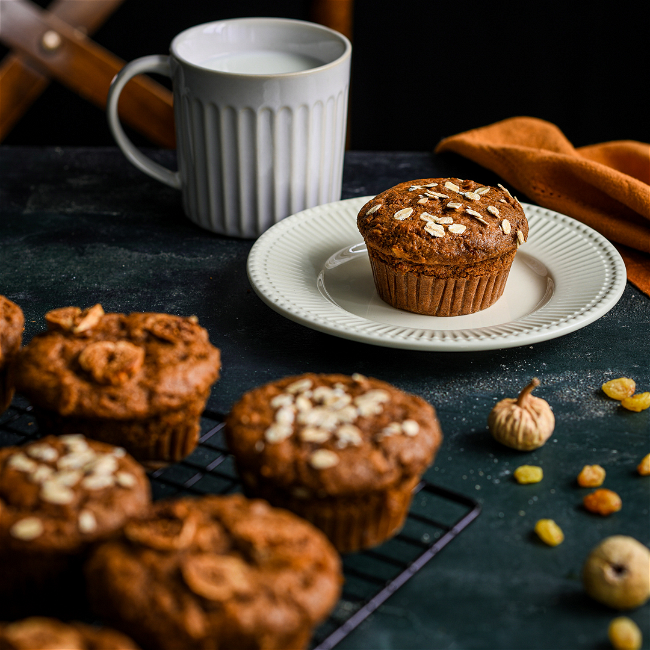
x=624 y=634
x=619 y=388
x=638 y=402
x=644 y=466
x=591 y=476
x=603 y=502
x=549 y=532
x=528 y=474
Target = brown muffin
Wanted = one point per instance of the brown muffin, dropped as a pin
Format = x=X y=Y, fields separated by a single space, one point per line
x=216 y=572
x=139 y=380
x=38 y=633
x=343 y=452
x=442 y=246
x=59 y=495
x=11 y=334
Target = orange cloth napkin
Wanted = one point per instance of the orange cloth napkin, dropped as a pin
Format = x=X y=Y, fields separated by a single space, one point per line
x=606 y=186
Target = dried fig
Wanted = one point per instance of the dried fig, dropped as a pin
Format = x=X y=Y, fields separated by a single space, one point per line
x=162 y=534
x=525 y=423
x=172 y=329
x=62 y=318
x=72 y=319
x=111 y=362
x=617 y=572
x=216 y=577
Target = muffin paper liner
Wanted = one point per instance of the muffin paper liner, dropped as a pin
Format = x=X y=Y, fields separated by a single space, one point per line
x=154 y=441
x=351 y=523
x=425 y=294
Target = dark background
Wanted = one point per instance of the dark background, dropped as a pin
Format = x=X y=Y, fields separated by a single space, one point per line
x=420 y=70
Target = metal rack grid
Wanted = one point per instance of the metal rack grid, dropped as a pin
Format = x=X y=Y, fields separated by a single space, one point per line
x=371 y=576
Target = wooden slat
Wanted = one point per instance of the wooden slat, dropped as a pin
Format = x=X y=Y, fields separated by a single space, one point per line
x=20 y=86
x=87 y=69
x=335 y=14
x=20 y=83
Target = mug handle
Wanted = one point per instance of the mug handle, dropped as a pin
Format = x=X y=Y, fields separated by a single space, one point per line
x=154 y=63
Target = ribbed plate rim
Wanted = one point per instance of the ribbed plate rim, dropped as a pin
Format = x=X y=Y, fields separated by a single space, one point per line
x=282 y=273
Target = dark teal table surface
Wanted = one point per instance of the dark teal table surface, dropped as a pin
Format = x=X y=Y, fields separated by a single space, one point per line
x=81 y=226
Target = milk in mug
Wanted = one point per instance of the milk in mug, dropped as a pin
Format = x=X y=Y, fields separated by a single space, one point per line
x=261 y=62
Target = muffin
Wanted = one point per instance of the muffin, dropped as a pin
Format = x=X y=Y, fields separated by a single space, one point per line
x=139 y=381
x=442 y=246
x=343 y=452
x=11 y=334
x=58 y=496
x=37 y=633
x=216 y=572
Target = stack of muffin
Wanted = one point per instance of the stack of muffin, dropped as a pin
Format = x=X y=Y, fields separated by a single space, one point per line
x=337 y=458
x=79 y=533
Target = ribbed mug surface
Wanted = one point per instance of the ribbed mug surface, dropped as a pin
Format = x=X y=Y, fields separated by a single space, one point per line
x=244 y=169
x=254 y=148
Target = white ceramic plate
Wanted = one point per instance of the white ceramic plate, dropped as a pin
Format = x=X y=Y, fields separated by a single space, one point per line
x=313 y=268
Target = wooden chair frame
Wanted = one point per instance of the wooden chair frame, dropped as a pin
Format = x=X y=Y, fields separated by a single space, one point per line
x=54 y=43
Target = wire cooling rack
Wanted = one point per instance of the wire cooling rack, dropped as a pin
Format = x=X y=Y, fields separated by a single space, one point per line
x=436 y=517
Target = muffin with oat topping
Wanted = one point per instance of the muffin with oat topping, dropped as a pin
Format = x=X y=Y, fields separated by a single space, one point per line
x=137 y=380
x=11 y=334
x=216 y=572
x=442 y=246
x=343 y=452
x=36 y=633
x=59 y=495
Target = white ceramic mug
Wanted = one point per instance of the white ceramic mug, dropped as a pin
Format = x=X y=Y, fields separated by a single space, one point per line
x=260 y=106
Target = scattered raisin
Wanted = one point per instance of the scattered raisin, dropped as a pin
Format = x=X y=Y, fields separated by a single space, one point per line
x=549 y=532
x=638 y=402
x=603 y=502
x=591 y=476
x=619 y=388
x=528 y=474
x=624 y=634
x=644 y=466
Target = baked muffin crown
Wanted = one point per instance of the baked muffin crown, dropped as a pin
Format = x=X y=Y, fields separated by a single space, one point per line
x=11 y=335
x=443 y=221
x=51 y=634
x=11 y=328
x=217 y=565
x=61 y=493
x=95 y=364
x=332 y=435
